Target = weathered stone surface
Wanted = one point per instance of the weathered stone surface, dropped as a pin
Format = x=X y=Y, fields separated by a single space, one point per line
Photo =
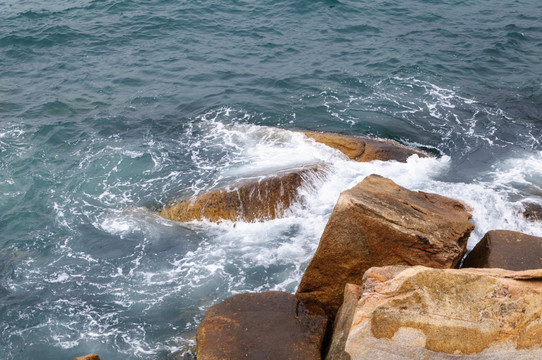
x=366 y=149
x=425 y=313
x=343 y=322
x=379 y=223
x=533 y=211
x=250 y=200
x=271 y=325
x=87 y=357
x=506 y=250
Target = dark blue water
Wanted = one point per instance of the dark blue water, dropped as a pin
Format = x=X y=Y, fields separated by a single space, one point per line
x=110 y=108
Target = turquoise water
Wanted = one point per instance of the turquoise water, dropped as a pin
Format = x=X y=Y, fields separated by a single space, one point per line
x=109 y=109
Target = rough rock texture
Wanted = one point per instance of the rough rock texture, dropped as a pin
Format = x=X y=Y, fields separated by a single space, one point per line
x=271 y=325
x=343 y=322
x=425 y=313
x=379 y=223
x=365 y=149
x=533 y=211
x=87 y=357
x=506 y=250
x=249 y=200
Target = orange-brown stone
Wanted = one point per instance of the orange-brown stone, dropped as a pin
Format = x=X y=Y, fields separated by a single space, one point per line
x=366 y=149
x=250 y=200
x=379 y=223
x=425 y=313
x=87 y=357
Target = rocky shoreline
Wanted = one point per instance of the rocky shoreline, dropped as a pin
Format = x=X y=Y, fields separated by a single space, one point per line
x=385 y=281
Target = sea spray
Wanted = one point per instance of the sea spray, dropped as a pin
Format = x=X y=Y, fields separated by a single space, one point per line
x=111 y=108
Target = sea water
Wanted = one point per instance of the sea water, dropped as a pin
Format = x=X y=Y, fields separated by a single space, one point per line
x=111 y=108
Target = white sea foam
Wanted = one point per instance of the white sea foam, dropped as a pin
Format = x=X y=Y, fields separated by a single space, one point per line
x=461 y=123
x=291 y=241
x=491 y=207
x=223 y=259
x=62 y=277
x=13 y=132
x=524 y=172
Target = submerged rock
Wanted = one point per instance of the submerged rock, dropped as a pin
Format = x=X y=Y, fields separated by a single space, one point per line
x=87 y=357
x=425 y=313
x=533 y=211
x=506 y=250
x=271 y=325
x=250 y=200
x=366 y=149
x=379 y=223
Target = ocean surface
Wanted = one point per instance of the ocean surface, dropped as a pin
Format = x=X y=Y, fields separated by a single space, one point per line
x=112 y=108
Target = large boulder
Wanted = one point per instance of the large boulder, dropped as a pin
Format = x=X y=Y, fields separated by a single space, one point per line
x=254 y=199
x=506 y=250
x=366 y=149
x=378 y=223
x=425 y=313
x=272 y=325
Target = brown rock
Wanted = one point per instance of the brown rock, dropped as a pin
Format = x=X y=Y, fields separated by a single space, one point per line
x=87 y=357
x=270 y=325
x=343 y=322
x=533 y=211
x=366 y=149
x=378 y=223
x=248 y=200
x=425 y=313
x=506 y=250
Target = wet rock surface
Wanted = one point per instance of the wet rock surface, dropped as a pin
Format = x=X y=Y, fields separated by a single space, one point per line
x=364 y=149
x=256 y=199
x=87 y=357
x=533 y=211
